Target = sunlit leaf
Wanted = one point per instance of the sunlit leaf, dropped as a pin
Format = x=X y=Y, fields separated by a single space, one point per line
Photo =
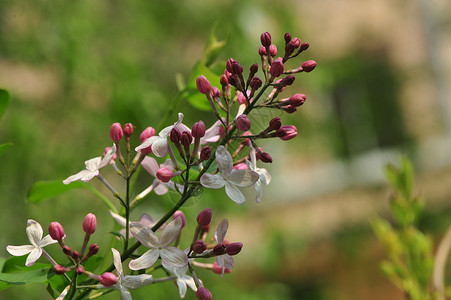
x=43 y=190
x=40 y=275
x=212 y=49
x=4 y=147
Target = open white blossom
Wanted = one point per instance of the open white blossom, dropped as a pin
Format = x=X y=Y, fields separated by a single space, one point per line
x=144 y=219
x=34 y=233
x=183 y=280
x=92 y=167
x=225 y=261
x=159 y=247
x=264 y=176
x=229 y=177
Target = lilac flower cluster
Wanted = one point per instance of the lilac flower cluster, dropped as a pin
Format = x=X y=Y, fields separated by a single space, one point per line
x=185 y=160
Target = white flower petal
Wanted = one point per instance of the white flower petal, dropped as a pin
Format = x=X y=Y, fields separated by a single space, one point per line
x=47 y=240
x=243 y=177
x=146 y=220
x=137 y=281
x=34 y=232
x=221 y=231
x=212 y=181
x=144 y=261
x=144 y=234
x=211 y=134
x=117 y=261
x=119 y=219
x=125 y=293
x=20 y=250
x=258 y=189
x=182 y=287
x=147 y=143
x=33 y=256
x=160 y=147
x=265 y=177
x=224 y=161
x=173 y=257
x=161 y=188
x=182 y=127
x=108 y=157
x=228 y=261
x=234 y=193
x=170 y=232
x=89 y=175
x=64 y=293
x=76 y=177
x=93 y=163
x=150 y=165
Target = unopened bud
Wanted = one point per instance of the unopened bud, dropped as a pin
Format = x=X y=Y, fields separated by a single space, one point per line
x=164 y=174
x=198 y=130
x=116 y=132
x=308 y=65
x=76 y=256
x=262 y=51
x=186 y=138
x=265 y=39
x=203 y=294
x=265 y=157
x=234 y=248
x=93 y=249
x=224 y=80
x=287 y=80
x=287 y=132
x=181 y=215
x=128 y=129
x=56 y=231
x=256 y=83
x=253 y=69
x=175 y=136
x=204 y=217
x=276 y=67
x=147 y=133
x=59 y=269
x=290 y=109
x=297 y=100
x=296 y=42
x=243 y=123
x=108 y=279
x=80 y=270
x=219 y=249
x=275 y=124
x=90 y=223
x=304 y=46
x=199 y=246
x=203 y=85
x=287 y=37
x=67 y=250
x=273 y=50
x=205 y=153
x=229 y=65
x=218 y=269
x=236 y=68
x=289 y=49
x=215 y=92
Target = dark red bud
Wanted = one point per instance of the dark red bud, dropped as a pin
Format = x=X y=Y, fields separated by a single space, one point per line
x=304 y=46
x=128 y=129
x=56 y=231
x=265 y=39
x=199 y=246
x=309 y=65
x=198 y=130
x=287 y=37
x=204 y=217
x=253 y=69
x=80 y=270
x=203 y=294
x=234 y=248
x=186 y=138
x=205 y=153
x=275 y=124
x=93 y=249
x=219 y=249
x=59 y=269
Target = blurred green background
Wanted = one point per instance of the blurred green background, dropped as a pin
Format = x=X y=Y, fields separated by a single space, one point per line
x=380 y=89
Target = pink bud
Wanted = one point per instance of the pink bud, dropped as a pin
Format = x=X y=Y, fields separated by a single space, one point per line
x=56 y=231
x=76 y=256
x=262 y=51
x=181 y=215
x=289 y=49
x=199 y=246
x=116 y=132
x=80 y=270
x=253 y=69
x=203 y=294
x=287 y=132
x=265 y=38
x=241 y=166
x=108 y=279
x=204 y=217
x=203 y=85
x=256 y=83
x=304 y=46
x=219 y=249
x=59 y=269
x=297 y=100
x=243 y=123
x=290 y=109
x=233 y=80
x=287 y=37
x=186 y=138
x=205 y=153
x=229 y=65
x=67 y=250
x=90 y=223
x=215 y=92
x=236 y=68
x=175 y=135
x=296 y=42
x=93 y=249
x=198 y=130
x=241 y=99
x=309 y=65
x=164 y=174
x=275 y=124
x=287 y=80
x=276 y=67
x=234 y=248
x=264 y=157
x=128 y=129
x=224 y=80
x=218 y=269
x=273 y=50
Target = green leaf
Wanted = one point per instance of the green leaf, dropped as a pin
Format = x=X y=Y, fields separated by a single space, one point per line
x=4 y=100
x=4 y=147
x=43 y=190
x=213 y=48
x=40 y=275
x=17 y=264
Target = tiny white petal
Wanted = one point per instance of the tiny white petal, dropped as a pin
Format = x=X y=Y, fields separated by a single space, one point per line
x=161 y=188
x=243 y=177
x=212 y=181
x=221 y=231
x=224 y=161
x=34 y=232
x=33 y=256
x=170 y=232
x=265 y=177
x=160 y=147
x=119 y=219
x=144 y=261
x=137 y=281
x=125 y=293
x=117 y=261
x=173 y=257
x=147 y=143
x=150 y=165
x=20 y=250
x=258 y=189
x=89 y=175
x=182 y=287
x=234 y=193
x=93 y=163
x=47 y=240
x=108 y=157
x=144 y=234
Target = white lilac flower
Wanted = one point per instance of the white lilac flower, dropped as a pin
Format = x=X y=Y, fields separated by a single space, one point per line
x=229 y=177
x=159 y=142
x=264 y=176
x=183 y=280
x=159 y=247
x=144 y=219
x=151 y=166
x=92 y=167
x=225 y=261
x=129 y=281
x=34 y=233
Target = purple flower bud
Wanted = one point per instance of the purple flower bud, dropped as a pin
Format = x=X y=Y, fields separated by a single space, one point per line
x=203 y=294
x=273 y=50
x=243 y=123
x=204 y=217
x=290 y=109
x=241 y=99
x=287 y=37
x=241 y=166
x=56 y=231
x=253 y=69
x=164 y=174
x=199 y=246
x=93 y=249
x=67 y=250
x=198 y=130
x=229 y=65
x=215 y=92
x=276 y=67
x=203 y=85
x=262 y=51
x=147 y=133
x=289 y=49
x=309 y=65
x=205 y=153
x=219 y=249
x=234 y=248
x=218 y=269
x=181 y=215
x=175 y=135
x=265 y=38
x=256 y=83
x=59 y=269
x=296 y=42
x=233 y=80
x=186 y=138
x=80 y=270
x=287 y=80
x=128 y=129
x=76 y=256
x=108 y=279
x=224 y=80
x=275 y=124
x=264 y=157
x=90 y=223
x=304 y=46
x=287 y=132
x=236 y=68
x=116 y=132
x=297 y=100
